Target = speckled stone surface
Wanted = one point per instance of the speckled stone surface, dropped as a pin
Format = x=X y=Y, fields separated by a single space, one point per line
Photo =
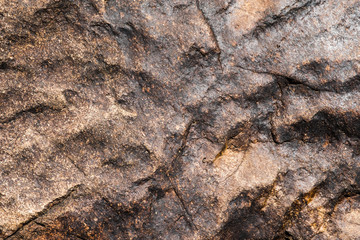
x=180 y=119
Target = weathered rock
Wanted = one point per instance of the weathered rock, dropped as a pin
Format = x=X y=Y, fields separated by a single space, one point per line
x=223 y=119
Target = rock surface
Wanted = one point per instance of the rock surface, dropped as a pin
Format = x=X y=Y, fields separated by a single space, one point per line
x=182 y=119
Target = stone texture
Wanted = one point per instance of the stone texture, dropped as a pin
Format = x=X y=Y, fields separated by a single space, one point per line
x=138 y=119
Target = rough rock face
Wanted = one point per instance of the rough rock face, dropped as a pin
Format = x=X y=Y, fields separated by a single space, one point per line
x=181 y=119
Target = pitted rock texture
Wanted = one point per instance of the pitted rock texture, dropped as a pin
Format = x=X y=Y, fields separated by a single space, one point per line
x=180 y=119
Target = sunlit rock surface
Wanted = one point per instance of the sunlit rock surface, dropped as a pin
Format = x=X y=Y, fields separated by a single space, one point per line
x=222 y=119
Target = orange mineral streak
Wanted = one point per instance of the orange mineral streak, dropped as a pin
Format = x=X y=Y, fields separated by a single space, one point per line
x=248 y=12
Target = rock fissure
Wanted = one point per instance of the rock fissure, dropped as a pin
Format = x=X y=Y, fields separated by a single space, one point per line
x=46 y=209
x=212 y=33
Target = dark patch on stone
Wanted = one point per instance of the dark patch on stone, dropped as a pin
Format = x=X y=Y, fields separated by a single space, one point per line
x=323 y=126
x=250 y=222
x=3 y=66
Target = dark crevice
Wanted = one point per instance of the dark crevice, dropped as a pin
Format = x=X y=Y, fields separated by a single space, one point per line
x=326 y=125
x=226 y=8
x=181 y=149
x=198 y=57
x=281 y=86
x=132 y=217
x=8 y=65
x=127 y=152
x=46 y=209
x=128 y=35
x=274 y=136
x=269 y=92
x=55 y=14
x=142 y=181
x=53 y=64
x=294 y=211
x=40 y=224
x=234 y=137
x=249 y=219
x=171 y=226
x=158 y=192
x=79 y=237
x=344 y=194
x=288 y=79
x=337 y=186
x=97 y=74
x=349 y=85
x=32 y=110
x=173 y=166
x=71 y=96
x=154 y=89
x=212 y=33
x=59 y=12
x=244 y=133
x=251 y=222
x=3 y=65
x=123 y=212
x=180 y=7
x=89 y=4
x=189 y=217
x=18 y=39
x=323 y=126
x=136 y=36
x=222 y=151
x=272 y=21
x=132 y=32
x=116 y=162
x=99 y=28
x=288 y=236
x=73 y=162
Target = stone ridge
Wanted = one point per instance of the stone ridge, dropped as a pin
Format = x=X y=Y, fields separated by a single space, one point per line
x=223 y=119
